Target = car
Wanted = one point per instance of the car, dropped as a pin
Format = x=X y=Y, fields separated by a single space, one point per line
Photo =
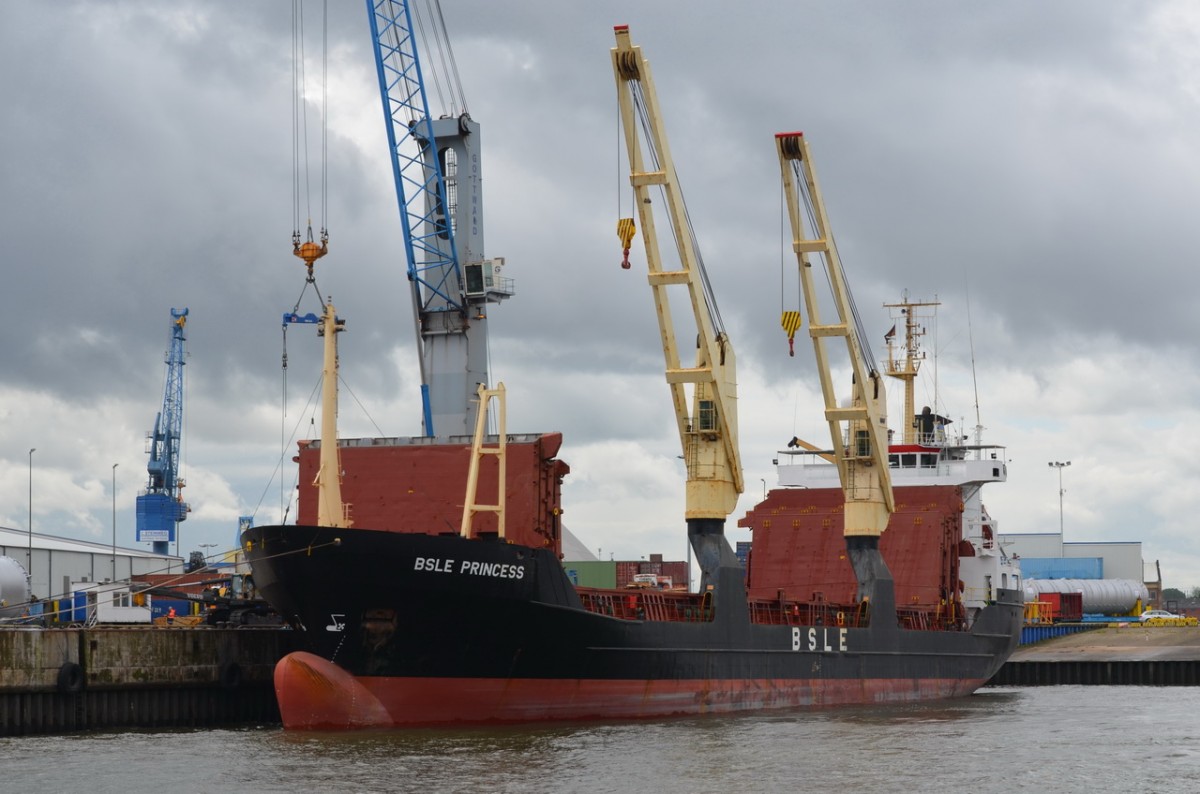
x=1153 y=614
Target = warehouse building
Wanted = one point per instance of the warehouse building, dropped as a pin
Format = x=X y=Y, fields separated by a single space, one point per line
x=53 y=562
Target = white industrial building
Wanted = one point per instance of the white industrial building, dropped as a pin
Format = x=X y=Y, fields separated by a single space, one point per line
x=53 y=563
x=1112 y=560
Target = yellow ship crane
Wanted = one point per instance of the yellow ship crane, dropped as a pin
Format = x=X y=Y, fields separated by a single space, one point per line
x=704 y=393
x=858 y=430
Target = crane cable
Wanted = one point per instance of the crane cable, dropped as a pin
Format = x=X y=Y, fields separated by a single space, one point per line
x=305 y=246
x=830 y=262
x=454 y=101
x=301 y=187
x=710 y=297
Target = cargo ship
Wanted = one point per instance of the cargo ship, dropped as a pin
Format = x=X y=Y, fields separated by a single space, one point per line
x=408 y=623
x=444 y=600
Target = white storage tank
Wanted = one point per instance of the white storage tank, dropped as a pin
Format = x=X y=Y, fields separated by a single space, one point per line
x=14 y=589
x=1100 y=596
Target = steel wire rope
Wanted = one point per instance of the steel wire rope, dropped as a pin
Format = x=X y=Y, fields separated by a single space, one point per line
x=299 y=122
x=431 y=73
x=284 y=510
x=325 y=120
x=450 y=64
x=306 y=549
x=442 y=67
x=830 y=262
x=284 y=498
x=787 y=238
x=362 y=407
x=710 y=298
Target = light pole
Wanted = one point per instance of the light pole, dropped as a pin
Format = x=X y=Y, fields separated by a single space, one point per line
x=29 y=558
x=114 y=497
x=1060 y=465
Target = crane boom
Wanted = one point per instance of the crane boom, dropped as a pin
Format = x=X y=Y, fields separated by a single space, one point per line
x=858 y=431
x=860 y=451
x=708 y=426
x=161 y=507
x=436 y=167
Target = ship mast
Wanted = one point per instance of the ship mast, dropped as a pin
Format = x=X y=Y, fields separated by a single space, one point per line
x=904 y=363
x=331 y=511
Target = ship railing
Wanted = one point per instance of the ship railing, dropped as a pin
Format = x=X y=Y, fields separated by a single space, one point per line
x=806 y=613
x=648 y=604
x=926 y=617
x=682 y=607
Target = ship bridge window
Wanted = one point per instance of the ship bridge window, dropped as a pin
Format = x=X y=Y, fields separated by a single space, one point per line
x=908 y=461
x=929 y=461
x=893 y=461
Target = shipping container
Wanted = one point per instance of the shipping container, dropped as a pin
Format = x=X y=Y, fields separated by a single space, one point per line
x=1061 y=607
x=592 y=573
x=678 y=571
x=743 y=551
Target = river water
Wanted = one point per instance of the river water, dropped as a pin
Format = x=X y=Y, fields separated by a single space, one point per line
x=1052 y=739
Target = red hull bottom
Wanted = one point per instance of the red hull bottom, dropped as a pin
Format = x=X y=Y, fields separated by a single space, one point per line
x=315 y=694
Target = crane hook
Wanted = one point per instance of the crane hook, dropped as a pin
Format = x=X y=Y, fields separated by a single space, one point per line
x=310 y=252
x=791 y=323
x=626 y=230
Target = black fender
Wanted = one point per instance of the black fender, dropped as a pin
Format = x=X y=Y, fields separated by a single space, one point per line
x=71 y=679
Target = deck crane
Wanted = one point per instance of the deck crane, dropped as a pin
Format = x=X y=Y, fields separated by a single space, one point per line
x=437 y=170
x=707 y=424
x=858 y=431
x=161 y=507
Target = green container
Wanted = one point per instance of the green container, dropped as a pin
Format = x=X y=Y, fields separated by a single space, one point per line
x=592 y=573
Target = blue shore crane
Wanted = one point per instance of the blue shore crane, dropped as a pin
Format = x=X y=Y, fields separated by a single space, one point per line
x=161 y=507
x=436 y=166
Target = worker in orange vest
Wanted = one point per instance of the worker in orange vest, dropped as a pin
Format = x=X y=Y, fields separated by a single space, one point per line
x=171 y=616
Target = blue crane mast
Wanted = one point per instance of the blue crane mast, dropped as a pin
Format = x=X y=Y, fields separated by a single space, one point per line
x=437 y=170
x=161 y=507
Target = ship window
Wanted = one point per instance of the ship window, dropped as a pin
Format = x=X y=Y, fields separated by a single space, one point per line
x=908 y=461
x=929 y=461
x=893 y=461
x=862 y=443
x=708 y=415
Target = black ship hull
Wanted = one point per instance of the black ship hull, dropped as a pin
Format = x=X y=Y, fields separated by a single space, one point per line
x=410 y=629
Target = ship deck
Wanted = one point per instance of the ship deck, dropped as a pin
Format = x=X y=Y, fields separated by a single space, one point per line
x=677 y=606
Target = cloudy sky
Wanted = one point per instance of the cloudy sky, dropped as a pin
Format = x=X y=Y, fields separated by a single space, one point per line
x=1032 y=166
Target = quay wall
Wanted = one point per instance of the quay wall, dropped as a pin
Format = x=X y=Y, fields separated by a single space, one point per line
x=1169 y=672
x=54 y=680
x=1104 y=655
